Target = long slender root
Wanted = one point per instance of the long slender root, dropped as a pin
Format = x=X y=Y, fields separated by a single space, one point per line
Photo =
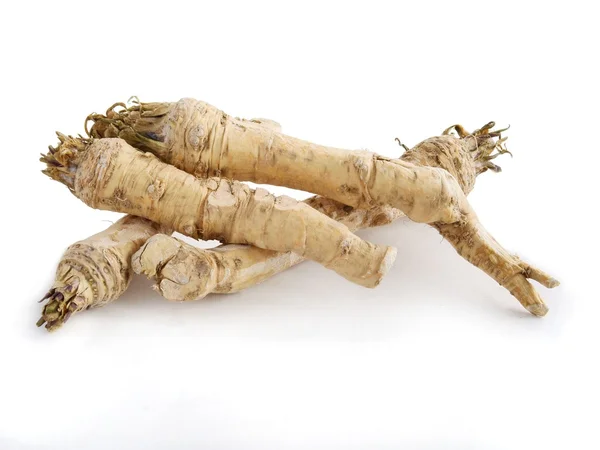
x=474 y=244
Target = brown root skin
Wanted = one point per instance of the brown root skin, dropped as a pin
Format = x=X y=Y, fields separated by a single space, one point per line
x=109 y=174
x=96 y=270
x=183 y=272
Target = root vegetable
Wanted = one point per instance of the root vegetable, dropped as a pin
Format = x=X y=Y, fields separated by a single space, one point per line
x=110 y=174
x=96 y=270
x=202 y=140
x=184 y=272
x=230 y=268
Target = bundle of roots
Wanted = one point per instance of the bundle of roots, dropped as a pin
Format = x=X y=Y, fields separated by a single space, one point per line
x=182 y=166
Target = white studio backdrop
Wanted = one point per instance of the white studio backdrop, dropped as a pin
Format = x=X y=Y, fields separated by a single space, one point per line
x=438 y=356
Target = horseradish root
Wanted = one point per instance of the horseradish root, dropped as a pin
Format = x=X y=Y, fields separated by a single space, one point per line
x=110 y=174
x=184 y=272
x=95 y=271
x=204 y=141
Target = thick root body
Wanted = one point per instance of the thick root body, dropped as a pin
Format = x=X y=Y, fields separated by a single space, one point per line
x=109 y=174
x=204 y=141
x=429 y=184
x=184 y=272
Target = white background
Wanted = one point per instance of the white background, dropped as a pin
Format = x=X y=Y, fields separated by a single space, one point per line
x=438 y=356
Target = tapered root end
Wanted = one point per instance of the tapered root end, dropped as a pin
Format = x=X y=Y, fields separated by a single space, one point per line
x=485 y=144
x=477 y=246
x=61 y=161
x=538 y=310
x=523 y=291
x=520 y=287
x=541 y=277
x=62 y=303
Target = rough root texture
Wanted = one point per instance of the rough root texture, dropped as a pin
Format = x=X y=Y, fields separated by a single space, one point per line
x=184 y=272
x=62 y=161
x=109 y=174
x=203 y=140
x=95 y=271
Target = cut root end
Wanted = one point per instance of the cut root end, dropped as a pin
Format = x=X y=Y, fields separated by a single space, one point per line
x=520 y=287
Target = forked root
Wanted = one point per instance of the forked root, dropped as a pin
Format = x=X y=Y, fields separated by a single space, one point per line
x=478 y=247
x=173 y=263
x=178 y=133
x=467 y=235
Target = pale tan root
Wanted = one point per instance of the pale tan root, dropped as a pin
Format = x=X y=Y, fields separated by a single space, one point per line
x=96 y=270
x=476 y=245
x=202 y=140
x=184 y=272
x=109 y=174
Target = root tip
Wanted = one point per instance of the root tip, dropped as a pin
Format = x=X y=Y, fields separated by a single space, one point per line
x=538 y=309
